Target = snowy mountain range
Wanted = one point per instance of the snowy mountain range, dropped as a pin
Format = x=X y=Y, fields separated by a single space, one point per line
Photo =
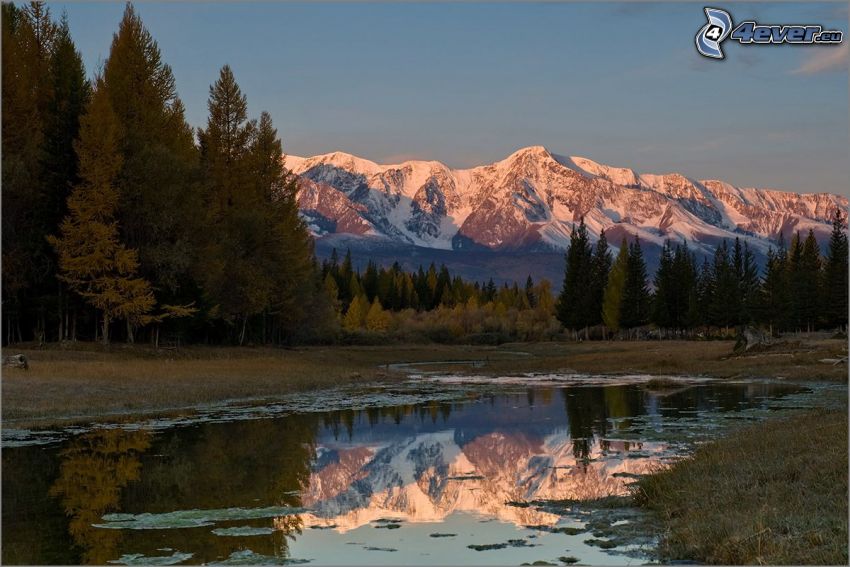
x=427 y=477
x=530 y=201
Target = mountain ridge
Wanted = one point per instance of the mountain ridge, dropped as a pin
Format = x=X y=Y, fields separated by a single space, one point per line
x=531 y=200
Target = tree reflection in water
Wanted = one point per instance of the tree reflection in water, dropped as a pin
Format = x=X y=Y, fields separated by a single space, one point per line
x=95 y=468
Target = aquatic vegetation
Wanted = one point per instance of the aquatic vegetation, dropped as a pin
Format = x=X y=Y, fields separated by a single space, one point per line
x=248 y=557
x=242 y=531
x=140 y=559
x=509 y=543
x=191 y=518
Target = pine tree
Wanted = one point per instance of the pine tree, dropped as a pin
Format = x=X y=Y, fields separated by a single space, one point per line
x=634 y=309
x=158 y=193
x=28 y=40
x=575 y=300
x=685 y=278
x=286 y=251
x=613 y=295
x=93 y=261
x=748 y=282
x=774 y=292
x=724 y=309
x=663 y=309
x=835 y=272
x=809 y=284
x=234 y=277
x=600 y=268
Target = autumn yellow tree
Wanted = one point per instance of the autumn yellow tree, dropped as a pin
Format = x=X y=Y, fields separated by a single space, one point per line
x=377 y=319
x=92 y=260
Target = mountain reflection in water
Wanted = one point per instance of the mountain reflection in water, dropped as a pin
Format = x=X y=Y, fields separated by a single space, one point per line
x=203 y=493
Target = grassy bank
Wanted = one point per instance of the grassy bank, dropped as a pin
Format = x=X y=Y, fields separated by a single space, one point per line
x=86 y=381
x=773 y=493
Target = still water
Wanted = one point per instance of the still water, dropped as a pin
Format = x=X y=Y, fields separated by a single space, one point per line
x=458 y=472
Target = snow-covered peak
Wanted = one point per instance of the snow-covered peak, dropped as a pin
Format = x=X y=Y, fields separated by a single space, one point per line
x=619 y=175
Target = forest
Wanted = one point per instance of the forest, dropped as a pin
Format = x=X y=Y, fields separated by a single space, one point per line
x=120 y=222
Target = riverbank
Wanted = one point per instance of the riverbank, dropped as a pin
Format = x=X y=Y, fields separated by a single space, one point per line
x=86 y=382
x=773 y=493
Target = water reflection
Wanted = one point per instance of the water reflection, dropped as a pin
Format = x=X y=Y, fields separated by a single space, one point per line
x=371 y=475
x=95 y=468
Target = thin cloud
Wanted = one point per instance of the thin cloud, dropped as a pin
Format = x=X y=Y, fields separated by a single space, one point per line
x=825 y=60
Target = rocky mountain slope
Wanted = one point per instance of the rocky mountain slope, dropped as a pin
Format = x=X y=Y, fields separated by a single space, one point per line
x=531 y=200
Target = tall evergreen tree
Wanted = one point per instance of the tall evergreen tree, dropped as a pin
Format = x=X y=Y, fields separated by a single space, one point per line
x=808 y=287
x=93 y=261
x=724 y=303
x=159 y=201
x=835 y=272
x=774 y=305
x=233 y=275
x=575 y=302
x=635 y=307
x=600 y=268
x=663 y=308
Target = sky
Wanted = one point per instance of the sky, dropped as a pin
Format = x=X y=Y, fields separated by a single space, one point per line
x=467 y=84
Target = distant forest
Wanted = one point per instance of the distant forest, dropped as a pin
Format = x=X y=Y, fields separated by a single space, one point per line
x=121 y=222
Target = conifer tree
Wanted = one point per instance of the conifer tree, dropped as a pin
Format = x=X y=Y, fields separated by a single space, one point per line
x=774 y=292
x=575 y=300
x=724 y=303
x=634 y=308
x=665 y=290
x=835 y=272
x=93 y=261
x=28 y=37
x=809 y=283
x=234 y=276
x=159 y=197
x=613 y=295
x=600 y=268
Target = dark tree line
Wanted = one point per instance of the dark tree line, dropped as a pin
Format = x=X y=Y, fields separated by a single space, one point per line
x=798 y=289
x=120 y=220
x=422 y=290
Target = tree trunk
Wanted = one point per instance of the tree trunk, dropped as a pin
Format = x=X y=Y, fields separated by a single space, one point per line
x=242 y=334
x=61 y=334
x=130 y=338
x=74 y=326
x=105 y=329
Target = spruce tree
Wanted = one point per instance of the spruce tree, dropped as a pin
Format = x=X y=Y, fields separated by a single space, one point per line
x=774 y=304
x=93 y=261
x=835 y=272
x=634 y=309
x=663 y=309
x=28 y=39
x=287 y=248
x=600 y=268
x=724 y=309
x=234 y=277
x=159 y=197
x=575 y=301
x=685 y=277
x=809 y=284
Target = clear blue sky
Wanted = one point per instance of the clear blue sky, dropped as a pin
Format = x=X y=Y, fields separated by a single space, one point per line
x=467 y=84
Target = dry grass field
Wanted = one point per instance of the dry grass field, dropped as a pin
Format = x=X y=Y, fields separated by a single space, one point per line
x=88 y=381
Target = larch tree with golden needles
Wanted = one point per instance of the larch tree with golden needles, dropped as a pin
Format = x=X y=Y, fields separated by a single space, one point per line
x=92 y=260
